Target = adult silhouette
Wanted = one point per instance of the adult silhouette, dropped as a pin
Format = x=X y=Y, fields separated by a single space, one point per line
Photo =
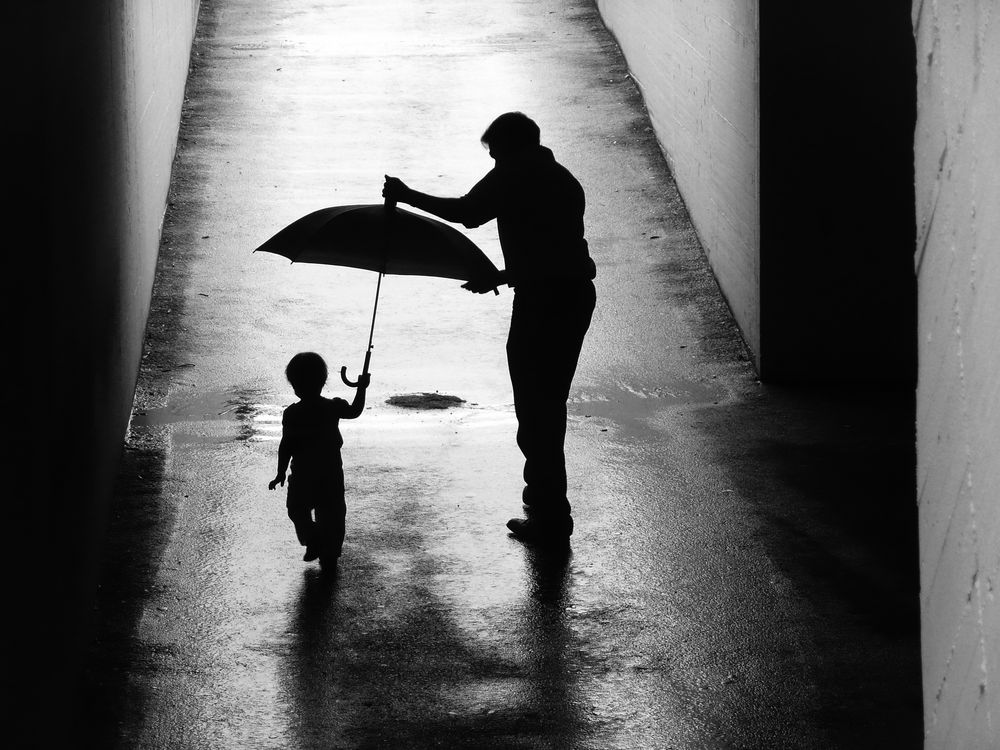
x=539 y=207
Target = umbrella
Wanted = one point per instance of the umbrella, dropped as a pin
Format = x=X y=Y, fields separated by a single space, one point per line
x=381 y=238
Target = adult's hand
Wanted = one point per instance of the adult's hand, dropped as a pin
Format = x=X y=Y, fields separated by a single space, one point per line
x=483 y=284
x=395 y=189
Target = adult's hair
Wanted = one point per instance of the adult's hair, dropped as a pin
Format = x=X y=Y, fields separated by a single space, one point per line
x=306 y=371
x=511 y=132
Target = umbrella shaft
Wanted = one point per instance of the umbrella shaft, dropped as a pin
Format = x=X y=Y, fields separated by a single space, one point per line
x=371 y=334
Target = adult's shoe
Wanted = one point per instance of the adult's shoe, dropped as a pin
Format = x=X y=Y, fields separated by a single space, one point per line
x=538 y=531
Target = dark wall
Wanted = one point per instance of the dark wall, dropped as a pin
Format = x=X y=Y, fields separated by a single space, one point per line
x=838 y=106
x=93 y=96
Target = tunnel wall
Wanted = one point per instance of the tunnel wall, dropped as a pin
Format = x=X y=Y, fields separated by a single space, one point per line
x=695 y=62
x=958 y=394
x=788 y=127
x=97 y=89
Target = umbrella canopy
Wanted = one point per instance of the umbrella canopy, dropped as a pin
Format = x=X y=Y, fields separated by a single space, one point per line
x=381 y=238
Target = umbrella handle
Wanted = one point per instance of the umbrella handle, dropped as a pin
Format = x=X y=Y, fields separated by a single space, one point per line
x=354 y=383
x=347 y=380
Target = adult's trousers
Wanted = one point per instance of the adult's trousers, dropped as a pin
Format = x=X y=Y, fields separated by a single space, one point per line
x=549 y=322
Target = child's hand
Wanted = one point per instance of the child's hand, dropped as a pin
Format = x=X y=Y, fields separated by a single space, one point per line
x=364 y=380
x=279 y=479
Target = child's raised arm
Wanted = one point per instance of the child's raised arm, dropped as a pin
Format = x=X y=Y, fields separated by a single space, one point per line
x=358 y=405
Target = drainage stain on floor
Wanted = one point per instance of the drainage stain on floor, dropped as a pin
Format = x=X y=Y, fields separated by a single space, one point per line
x=425 y=401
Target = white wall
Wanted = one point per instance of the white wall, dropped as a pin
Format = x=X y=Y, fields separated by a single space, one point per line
x=788 y=127
x=696 y=62
x=958 y=417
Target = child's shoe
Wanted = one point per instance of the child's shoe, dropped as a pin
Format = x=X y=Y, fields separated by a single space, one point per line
x=312 y=553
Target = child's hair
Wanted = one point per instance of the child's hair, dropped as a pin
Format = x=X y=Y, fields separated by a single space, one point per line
x=306 y=371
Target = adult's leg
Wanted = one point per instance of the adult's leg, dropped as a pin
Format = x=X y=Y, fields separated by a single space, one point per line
x=548 y=327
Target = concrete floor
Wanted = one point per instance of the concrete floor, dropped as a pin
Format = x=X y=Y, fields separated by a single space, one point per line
x=743 y=574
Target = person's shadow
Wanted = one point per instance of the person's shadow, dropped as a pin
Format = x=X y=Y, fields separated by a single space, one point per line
x=546 y=637
x=313 y=629
x=351 y=678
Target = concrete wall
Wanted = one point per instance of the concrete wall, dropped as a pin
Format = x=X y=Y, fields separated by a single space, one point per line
x=788 y=127
x=696 y=64
x=958 y=412
x=96 y=92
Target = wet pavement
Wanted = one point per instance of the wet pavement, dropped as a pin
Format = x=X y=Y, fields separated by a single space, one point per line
x=743 y=572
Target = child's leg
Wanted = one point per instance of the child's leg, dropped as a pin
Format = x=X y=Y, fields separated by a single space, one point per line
x=299 y=504
x=331 y=516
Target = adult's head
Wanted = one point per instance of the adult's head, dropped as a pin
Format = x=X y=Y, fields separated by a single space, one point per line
x=307 y=373
x=511 y=134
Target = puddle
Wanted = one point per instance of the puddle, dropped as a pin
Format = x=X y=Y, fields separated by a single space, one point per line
x=203 y=407
x=254 y=420
x=628 y=401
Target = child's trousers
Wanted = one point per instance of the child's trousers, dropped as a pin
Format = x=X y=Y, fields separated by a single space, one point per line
x=318 y=510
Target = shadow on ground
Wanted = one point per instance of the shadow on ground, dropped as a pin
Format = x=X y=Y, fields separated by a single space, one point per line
x=830 y=475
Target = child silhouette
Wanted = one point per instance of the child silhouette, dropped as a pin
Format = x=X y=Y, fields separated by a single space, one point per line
x=311 y=442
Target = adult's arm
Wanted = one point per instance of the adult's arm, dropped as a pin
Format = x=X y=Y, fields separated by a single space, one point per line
x=471 y=210
x=479 y=205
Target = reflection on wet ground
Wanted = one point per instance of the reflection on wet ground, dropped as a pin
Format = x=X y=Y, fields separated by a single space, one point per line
x=253 y=415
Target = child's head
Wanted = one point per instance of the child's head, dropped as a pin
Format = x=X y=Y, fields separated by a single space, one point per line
x=306 y=372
